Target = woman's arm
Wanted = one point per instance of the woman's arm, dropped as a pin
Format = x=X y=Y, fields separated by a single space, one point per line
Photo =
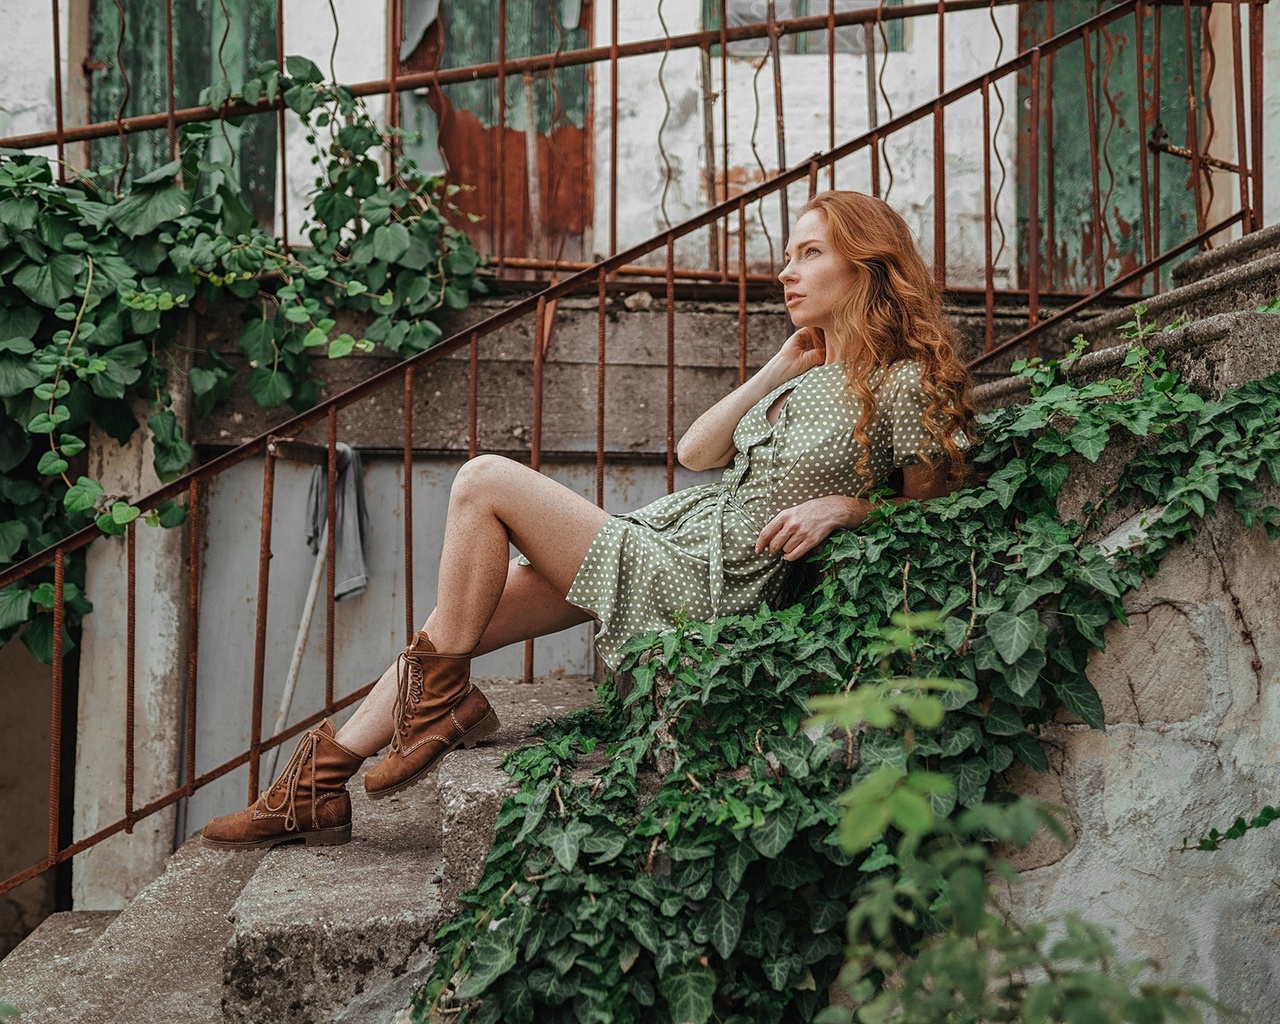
x=798 y=530
x=709 y=441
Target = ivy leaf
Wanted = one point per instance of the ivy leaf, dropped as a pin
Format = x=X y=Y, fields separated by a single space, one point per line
x=341 y=346
x=689 y=992
x=48 y=285
x=12 y=534
x=390 y=242
x=1004 y=720
x=144 y=209
x=80 y=497
x=17 y=375
x=269 y=387
x=1094 y=570
x=565 y=841
x=1013 y=634
x=724 y=920
x=19 y=213
x=335 y=209
x=491 y=957
x=1082 y=700
x=1005 y=482
x=15 y=606
x=172 y=453
x=122 y=513
x=970 y=778
x=300 y=69
x=732 y=866
x=51 y=464
x=773 y=834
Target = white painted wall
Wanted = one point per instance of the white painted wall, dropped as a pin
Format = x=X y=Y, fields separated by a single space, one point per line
x=651 y=152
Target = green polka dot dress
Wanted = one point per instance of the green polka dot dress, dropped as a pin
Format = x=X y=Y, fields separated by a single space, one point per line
x=692 y=552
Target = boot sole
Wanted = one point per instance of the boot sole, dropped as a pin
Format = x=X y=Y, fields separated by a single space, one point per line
x=478 y=732
x=317 y=837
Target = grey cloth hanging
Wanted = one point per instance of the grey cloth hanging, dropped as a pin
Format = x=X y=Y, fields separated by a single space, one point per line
x=351 y=518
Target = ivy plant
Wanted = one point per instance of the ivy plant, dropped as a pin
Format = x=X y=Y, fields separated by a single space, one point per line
x=725 y=884
x=94 y=285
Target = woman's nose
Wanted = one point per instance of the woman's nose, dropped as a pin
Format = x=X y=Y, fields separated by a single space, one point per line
x=787 y=274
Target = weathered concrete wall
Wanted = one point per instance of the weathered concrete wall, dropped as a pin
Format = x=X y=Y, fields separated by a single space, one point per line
x=1191 y=690
x=108 y=875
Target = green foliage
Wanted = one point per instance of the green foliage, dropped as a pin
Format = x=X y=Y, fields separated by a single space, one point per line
x=1238 y=829
x=715 y=889
x=93 y=286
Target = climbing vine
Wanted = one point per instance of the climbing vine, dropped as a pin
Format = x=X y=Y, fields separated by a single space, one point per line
x=728 y=884
x=94 y=285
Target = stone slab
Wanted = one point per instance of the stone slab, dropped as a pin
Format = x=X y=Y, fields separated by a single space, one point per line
x=344 y=933
x=38 y=965
x=157 y=963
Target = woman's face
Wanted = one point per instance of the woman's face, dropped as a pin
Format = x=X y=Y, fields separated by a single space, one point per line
x=816 y=277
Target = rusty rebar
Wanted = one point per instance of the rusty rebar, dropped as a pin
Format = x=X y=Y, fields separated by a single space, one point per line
x=473 y=393
x=260 y=621
x=194 y=551
x=601 y=340
x=1242 y=144
x=58 y=115
x=1193 y=118
x=55 y=702
x=1091 y=118
x=406 y=500
x=331 y=552
x=130 y=665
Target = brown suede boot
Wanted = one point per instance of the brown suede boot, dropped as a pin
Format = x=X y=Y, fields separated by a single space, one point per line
x=437 y=708
x=308 y=802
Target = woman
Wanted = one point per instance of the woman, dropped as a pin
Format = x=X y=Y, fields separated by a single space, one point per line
x=869 y=383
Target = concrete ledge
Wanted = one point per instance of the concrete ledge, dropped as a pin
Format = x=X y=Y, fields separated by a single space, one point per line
x=1250 y=247
x=38 y=965
x=157 y=963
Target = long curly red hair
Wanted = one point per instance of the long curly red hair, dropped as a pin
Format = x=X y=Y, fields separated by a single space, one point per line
x=894 y=312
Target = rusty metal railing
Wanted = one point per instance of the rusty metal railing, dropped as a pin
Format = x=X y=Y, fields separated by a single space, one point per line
x=727 y=219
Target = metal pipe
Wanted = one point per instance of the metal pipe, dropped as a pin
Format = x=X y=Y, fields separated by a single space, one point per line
x=671 y=365
x=1242 y=144
x=55 y=703
x=601 y=338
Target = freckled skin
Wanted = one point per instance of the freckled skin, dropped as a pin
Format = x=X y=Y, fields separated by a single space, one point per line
x=487 y=602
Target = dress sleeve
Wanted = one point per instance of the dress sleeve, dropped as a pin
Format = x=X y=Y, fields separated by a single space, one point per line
x=906 y=409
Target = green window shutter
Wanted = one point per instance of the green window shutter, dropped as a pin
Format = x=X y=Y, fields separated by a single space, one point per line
x=208 y=46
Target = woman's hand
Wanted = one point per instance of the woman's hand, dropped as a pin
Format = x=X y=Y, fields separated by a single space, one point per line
x=802 y=351
x=796 y=531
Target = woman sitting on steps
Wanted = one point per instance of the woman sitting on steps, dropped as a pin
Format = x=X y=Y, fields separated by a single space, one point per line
x=869 y=383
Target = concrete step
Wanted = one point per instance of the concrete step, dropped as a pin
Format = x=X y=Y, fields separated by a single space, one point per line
x=40 y=963
x=157 y=962
x=1198 y=351
x=1231 y=283
x=1243 y=250
x=344 y=934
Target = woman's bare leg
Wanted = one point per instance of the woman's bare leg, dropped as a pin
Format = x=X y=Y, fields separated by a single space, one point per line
x=485 y=602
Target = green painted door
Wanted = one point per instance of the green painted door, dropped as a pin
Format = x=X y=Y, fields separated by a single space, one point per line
x=213 y=39
x=1070 y=239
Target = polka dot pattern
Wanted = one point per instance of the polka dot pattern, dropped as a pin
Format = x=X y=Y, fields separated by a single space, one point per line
x=692 y=552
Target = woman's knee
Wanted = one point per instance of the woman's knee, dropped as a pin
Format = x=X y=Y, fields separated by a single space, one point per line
x=479 y=475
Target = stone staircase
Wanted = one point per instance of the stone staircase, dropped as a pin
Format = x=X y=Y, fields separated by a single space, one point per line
x=344 y=934
x=297 y=934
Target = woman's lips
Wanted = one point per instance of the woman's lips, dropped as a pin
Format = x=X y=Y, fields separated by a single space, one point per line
x=791 y=298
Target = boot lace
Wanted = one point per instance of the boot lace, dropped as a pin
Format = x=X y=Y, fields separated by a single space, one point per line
x=287 y=783
x=408 y=693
